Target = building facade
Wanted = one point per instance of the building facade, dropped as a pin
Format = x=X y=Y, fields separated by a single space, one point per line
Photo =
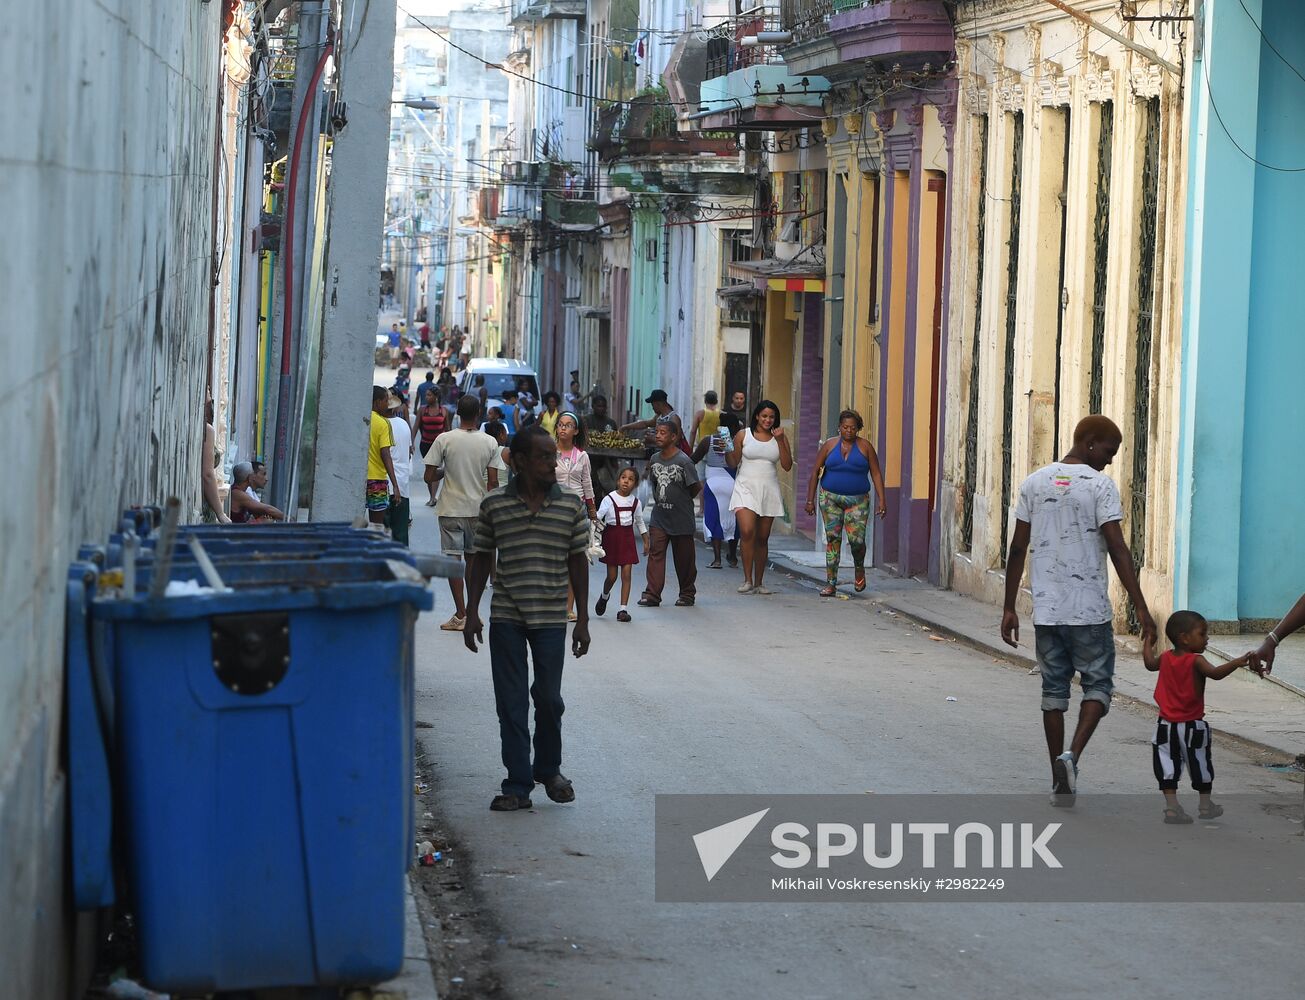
x=888 y=121
x=1066 y=278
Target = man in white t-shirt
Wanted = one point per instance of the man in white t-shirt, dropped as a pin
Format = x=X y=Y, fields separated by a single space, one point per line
x=397 y=517
x=1069 y=513
x=467 y=462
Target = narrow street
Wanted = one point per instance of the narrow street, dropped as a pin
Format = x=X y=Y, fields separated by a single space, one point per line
x=790 y=694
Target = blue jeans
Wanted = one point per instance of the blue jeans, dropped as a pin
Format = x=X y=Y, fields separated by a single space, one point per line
x=512 y=695
x=1087 y=649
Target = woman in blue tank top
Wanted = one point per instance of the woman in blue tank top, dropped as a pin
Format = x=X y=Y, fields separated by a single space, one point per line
x=846 y=469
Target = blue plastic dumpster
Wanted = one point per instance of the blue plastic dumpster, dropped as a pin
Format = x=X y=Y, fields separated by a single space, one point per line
x=260 y=750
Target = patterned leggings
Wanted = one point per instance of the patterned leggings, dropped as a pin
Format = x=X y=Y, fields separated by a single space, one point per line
x=841 y=512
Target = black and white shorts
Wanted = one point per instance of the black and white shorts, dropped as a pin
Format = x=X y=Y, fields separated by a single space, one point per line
x=1176 y=743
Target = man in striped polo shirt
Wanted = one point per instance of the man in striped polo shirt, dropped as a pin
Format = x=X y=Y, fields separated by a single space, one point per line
x=541 y=536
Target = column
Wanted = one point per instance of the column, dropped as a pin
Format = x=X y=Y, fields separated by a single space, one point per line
x=356 y=214
x=913 y=526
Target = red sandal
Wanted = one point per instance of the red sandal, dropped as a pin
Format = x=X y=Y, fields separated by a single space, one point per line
x=859 y=582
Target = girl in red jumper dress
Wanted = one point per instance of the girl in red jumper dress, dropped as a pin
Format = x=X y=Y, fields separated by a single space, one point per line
x=622 y=518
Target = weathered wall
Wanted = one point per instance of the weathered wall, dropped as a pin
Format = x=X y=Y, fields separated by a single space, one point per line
x=104 y=299
x=1026 y=59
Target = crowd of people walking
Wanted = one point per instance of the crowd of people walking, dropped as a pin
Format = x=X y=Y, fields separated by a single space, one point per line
x=513 y=491
x=725 y=471
x=515 y=498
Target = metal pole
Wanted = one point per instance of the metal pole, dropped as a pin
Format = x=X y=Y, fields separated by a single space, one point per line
x=206 y=565
x=309 y=40
x=163 y=550
x=1123 y=40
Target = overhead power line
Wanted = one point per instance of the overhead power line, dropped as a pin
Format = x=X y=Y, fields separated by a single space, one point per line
x=643 y=102
x=1209 y=93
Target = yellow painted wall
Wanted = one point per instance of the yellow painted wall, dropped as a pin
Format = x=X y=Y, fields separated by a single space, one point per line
x=892 y=457
x=926 y=299
x=779 y=371
x=864 y=368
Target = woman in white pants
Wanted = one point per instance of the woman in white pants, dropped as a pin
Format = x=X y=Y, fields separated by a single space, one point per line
x=717 y=518
x=759 y=453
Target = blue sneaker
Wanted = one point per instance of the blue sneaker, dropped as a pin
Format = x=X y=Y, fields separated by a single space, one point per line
x=1064 y=780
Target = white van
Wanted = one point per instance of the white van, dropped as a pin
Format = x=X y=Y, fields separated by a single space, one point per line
x=496 y=376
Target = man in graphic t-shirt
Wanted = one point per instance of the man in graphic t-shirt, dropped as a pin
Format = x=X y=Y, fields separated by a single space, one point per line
x=674 y=480
x=1069 y=514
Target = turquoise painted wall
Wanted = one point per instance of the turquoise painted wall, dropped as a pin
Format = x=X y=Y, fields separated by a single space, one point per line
x=643 y=367
x=1273 y=478
x=1242 y=342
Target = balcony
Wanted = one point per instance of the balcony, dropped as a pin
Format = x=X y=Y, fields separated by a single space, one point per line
x=838 y=37
x=528 y=11
x=647 y=127
x=748 y=87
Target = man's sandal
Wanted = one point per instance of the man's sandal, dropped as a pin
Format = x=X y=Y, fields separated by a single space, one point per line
x=1213 y=812
x=558 y=788
x=1177 y=817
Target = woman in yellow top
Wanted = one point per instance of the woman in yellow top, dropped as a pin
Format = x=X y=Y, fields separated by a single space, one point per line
x=707 y=420
x=380 y=466
x=548 y=419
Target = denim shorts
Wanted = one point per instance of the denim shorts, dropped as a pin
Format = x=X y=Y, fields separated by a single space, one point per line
x=1087 y=649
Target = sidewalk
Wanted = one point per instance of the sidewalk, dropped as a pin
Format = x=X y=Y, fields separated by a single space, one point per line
x=1270 y=715
x=1288 y=665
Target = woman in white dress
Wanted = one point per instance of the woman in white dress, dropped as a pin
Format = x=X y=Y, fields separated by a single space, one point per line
x=759 y=452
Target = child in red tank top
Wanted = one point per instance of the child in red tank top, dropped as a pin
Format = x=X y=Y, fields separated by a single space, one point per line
x=1182 y=736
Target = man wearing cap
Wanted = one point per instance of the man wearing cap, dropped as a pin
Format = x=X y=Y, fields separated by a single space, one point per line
x=675 y=486
x=661 y=409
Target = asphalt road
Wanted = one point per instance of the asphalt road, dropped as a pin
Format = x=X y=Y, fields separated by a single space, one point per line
x=789 y=694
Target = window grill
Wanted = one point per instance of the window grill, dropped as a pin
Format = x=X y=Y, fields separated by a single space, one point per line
x=971 y=481
x=1062 y=297
x=1146 y=253
x=1101 y=253
x=1012 y=287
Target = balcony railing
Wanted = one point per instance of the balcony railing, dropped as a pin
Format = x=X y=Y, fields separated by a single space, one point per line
x=726 y=53
x=809 y=19
x=647 y=126
x=848 y=33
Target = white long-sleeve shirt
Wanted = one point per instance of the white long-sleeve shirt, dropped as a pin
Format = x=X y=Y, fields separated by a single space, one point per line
x=630 y=512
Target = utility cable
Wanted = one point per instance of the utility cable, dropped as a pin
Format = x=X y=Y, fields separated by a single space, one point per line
x=680 y=105
x=1209 y=93
x=1270 y=44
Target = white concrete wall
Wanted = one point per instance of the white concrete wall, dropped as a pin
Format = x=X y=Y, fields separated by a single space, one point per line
x=352 y=274
x=104 y=300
